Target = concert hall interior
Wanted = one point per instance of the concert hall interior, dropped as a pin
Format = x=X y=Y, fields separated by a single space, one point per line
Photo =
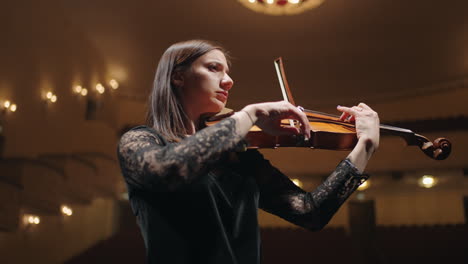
x=76 y=75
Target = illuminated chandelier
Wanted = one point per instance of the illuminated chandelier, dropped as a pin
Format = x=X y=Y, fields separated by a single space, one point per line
x=280 y=7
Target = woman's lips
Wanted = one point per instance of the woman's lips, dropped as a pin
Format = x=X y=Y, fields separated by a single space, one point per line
x=223 y=96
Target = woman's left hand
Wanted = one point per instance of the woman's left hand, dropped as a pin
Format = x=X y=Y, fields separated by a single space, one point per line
x=367 y=124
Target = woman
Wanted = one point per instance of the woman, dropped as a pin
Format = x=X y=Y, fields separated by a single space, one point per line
x=194 y=196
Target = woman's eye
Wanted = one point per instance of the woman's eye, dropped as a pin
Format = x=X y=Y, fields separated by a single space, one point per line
x=212 y=67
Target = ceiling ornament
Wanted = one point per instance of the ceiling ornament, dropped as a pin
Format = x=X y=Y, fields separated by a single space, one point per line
x=280 y=7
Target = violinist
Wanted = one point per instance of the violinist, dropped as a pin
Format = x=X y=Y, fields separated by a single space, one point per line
x=194 y=196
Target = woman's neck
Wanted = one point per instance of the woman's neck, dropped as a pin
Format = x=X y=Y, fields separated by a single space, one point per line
x=192 y=123
x=195 y=120
x=191 y=127
x=195 y=123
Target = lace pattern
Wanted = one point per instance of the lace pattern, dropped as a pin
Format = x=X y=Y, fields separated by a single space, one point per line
x=149 y=162
x=312 y=210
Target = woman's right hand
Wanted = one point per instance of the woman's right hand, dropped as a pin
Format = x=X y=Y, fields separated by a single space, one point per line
x=268 y=117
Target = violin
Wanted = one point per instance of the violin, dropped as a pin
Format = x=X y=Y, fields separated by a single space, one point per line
x=329 y=132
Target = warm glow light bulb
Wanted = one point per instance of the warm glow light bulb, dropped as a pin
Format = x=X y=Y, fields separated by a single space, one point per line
x=364 y=185
x=100 y=88
x=31 y=219
x=114 y=84
x=84 y=92
x=13 y=107
x=53 y=99
x=49 y=95
x=67 y=210
x=78 y=89
x=6 y=104
x=297 y=182
x=427 y=181
x=280 y=7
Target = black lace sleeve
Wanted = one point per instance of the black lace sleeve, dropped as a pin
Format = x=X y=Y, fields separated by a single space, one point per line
x=311 y=210
x=148 y=163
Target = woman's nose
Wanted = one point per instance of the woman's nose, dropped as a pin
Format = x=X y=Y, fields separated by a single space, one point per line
x=227 y=82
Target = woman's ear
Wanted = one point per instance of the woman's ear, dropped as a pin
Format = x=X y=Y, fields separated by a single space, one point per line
x=177 y=79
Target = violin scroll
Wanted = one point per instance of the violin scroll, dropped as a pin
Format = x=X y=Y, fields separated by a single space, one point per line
x=442 y=148
x=439 y=149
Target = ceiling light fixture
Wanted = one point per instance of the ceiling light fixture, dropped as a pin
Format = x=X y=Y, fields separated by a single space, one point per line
x=281 y=7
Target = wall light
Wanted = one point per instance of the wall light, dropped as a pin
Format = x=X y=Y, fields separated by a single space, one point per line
x=7 y=105
x=66 y=210
x=31 y=220
x=364 y=185
x=100 y=88
x=80 y=90
x=77 y=89
x=114 y=84
x=84 y=92
x=297 y=182
x=50 y=96
x=427 y=181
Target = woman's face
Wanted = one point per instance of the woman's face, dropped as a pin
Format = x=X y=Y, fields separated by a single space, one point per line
x=205 y=85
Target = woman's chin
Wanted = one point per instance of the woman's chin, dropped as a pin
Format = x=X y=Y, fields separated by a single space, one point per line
x=213 y=109
x=218 y=106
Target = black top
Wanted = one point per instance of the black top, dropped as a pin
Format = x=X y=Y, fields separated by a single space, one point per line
x=196 y=201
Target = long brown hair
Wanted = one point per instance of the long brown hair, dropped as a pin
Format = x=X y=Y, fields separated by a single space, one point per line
x=165 y=111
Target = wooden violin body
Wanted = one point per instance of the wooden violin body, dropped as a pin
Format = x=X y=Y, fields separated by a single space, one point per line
x=322 y=136
x=343 y=137
x=329 y=132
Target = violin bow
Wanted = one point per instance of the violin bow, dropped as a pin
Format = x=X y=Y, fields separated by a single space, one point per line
x=438 y=149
